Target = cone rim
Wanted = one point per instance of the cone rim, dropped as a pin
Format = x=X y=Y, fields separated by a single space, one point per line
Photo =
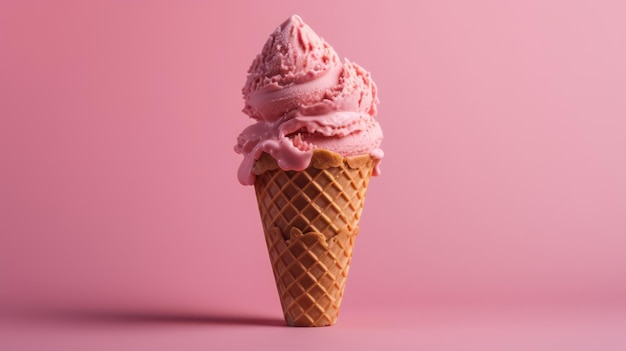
x=321 y=159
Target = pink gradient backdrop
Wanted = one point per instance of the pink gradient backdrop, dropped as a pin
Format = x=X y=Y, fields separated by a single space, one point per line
x=505 y=137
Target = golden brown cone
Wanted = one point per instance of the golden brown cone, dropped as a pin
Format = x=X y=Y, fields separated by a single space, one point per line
x=310 y=220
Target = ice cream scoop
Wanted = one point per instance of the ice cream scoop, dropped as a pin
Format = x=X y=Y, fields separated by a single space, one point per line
x=304 y=98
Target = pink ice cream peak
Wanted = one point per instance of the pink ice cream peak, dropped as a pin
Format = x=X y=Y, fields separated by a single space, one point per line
x=293 y=56
x=304 y=98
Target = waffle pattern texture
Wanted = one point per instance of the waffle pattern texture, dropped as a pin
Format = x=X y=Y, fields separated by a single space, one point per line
x=310 y=220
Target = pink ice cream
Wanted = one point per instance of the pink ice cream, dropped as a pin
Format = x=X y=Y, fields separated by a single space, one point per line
x=304 y=98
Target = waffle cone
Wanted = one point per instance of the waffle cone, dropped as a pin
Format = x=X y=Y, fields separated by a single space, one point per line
x=310 y=220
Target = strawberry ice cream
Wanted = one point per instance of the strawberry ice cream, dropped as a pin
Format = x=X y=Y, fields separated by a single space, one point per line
x=304 y=98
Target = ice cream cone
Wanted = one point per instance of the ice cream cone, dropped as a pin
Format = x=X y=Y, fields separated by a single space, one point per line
x=310 y=220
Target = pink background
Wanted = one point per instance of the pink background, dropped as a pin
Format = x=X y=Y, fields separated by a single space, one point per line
x=503 y=186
